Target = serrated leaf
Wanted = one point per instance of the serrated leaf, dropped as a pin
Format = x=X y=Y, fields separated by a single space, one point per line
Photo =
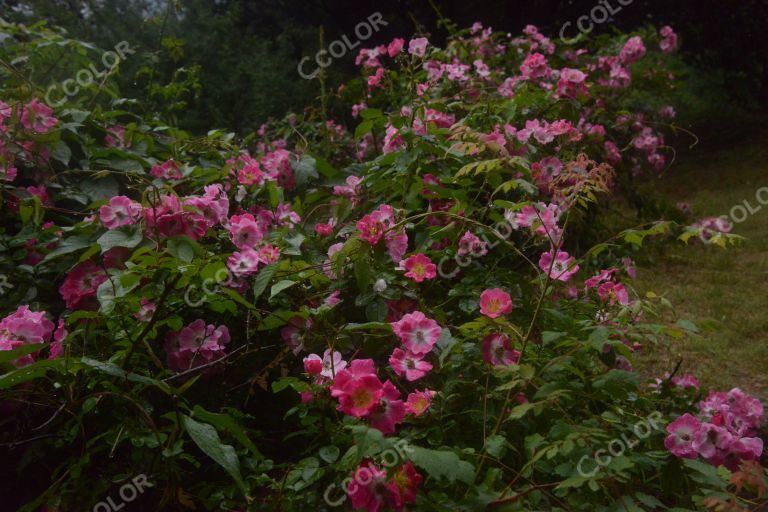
x=262 y=280
x=442 y=464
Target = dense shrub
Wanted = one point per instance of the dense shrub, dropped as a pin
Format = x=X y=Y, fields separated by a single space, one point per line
x=407 y=310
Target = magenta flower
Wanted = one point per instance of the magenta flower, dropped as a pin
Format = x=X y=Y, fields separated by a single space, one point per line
x=495 y=302
x=79 y=287
x=682 y=433
x=390 y=411
x=497 y=350
x=417 y=332
x=357 y=388
x=395 y=47
x=712 y=442
x=313 y=365
x=366 y=490
x=402 y=487
x=409 y=365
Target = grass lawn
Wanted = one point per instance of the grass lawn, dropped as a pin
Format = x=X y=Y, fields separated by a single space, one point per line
x=725 y=292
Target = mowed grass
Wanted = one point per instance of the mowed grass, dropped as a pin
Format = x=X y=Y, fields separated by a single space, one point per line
x=725 y=292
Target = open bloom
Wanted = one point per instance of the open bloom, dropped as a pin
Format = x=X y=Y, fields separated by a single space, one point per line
x=244 y=262
x=417 y=332
x=246 y=231
x=25 y=327
x=681 y=435
x=367 y=489
x=120 y=211
x=402 y=486
x=419 y=267
x=418 y=46
x=37 y=117
x=195 y=345
x=390 y=411
x=79 y=287
x=562 y=268
x=357 y=388
x=168 y=170
x=409 y=365
x=497 y=350
x=419 y=401
x=495 y=302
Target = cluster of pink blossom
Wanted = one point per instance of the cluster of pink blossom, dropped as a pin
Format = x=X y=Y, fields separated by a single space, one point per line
x=195 y=345
x=275 y=166
x=381 y=223
x=686 y=381
x=540 y=218
x=471 y=245
x=248 y=232
x=608 y=288
x=711 y=226
x=418 y=335
x=361 y=394
x=371 y=490
x=26 y=327
x=725 y=433
x=35 y=118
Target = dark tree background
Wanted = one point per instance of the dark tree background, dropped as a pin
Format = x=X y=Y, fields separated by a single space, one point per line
x=240 y=57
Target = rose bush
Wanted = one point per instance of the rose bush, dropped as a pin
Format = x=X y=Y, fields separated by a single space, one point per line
x=403 y=315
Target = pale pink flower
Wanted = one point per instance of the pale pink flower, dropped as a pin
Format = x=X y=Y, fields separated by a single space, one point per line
x=121 y=211
x=409 y=365
x=417 y=332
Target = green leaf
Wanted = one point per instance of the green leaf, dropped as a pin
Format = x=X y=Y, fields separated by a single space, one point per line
x=363 y=128
x=304 y=169
x=442 y=464
x=115 y=371
x=27 y=373
x=10 y=355
x=207 y=439
x=329 y=454
x=62 y=153
x=520 y=411
x=279 y=287
x=120 y=237
x=227 y=423
x=370 y=113
x=69 y=245
x=262 y=280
